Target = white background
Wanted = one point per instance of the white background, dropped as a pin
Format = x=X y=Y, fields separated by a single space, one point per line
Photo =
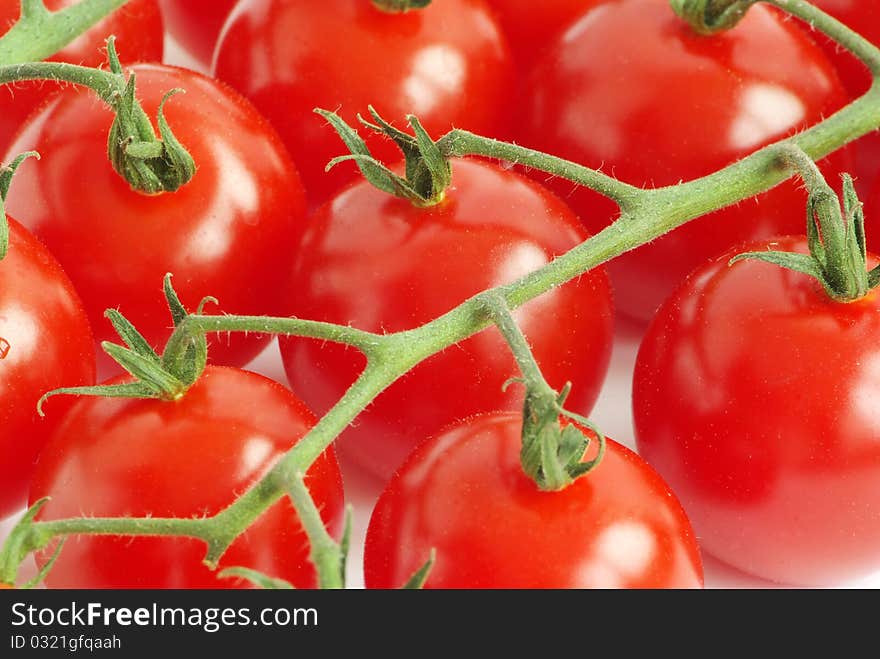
x=612 y=413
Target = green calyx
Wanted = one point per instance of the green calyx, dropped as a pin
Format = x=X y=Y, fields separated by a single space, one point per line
x=710 y=16
x=428 y=172
x=838 y=255
x=165 y=377
x=150 y=165
x=6 y=174
x=552 y=452
x=400 y=6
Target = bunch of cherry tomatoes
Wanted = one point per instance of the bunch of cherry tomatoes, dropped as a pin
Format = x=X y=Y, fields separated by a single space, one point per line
x=756 y=398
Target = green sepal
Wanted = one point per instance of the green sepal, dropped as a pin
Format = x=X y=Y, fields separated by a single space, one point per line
x=126 y=390
x=710 y=16
x=552 y=454
x=803 y=263
x=149 y=164
x=20 y=542
x=572 y=446
x=113 y=60
x=427 y=170
x=44 y=571
x=179 y=166
x=6 y=174
x=255 y=577
x=435 y=173
x=854 y=214
x=418 y=579
x=189 y=363
x=175 y=306
x=131 y=127
x=146 y=371
x=130 y=336
x=375 y=172
x=404 y=141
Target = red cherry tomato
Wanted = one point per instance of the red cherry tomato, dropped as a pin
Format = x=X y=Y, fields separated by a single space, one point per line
x=140 y=37
x=755 y=396
x=631 y=89
x=190 y=457
x=464 y=494
x=530 y=28
x=380 y=264
x=228 y=232
x=196 y=24
x=448 y=64
x=45 y=343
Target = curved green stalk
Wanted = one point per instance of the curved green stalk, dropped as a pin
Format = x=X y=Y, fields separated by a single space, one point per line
x=41 y=33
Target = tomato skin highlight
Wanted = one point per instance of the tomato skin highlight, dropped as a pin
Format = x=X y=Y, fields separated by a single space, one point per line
x=464 y=494
x=191 y=457
x=380 y=264
x=45 y=343
x=448 y=64
x=754 y=395
x=196 y=25
x=140 y=37
x=228 y=233
x=610 y=108
x=528 y=31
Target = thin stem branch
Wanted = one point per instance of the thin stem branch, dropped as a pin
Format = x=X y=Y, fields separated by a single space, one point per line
x=831 y=27
x=501 y=315
x=325 y=553
x=461 y=142
x=108 y=86
x=366 y=342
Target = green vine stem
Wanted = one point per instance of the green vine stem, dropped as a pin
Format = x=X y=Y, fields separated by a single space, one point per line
x=645 y=215
x=149 y=163
x=40 y=33
x=328 y=556
x=552 y=453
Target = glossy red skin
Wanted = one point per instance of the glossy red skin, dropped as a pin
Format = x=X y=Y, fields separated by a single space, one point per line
x=45 y=343
x=380 y=264
x=227 y=233
x=196 y=24
x=464 y=494
x=678 y=116
x=187 y=458
x=755 y=396
x=530 y=29
x=140 y=37
x=448 y=64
